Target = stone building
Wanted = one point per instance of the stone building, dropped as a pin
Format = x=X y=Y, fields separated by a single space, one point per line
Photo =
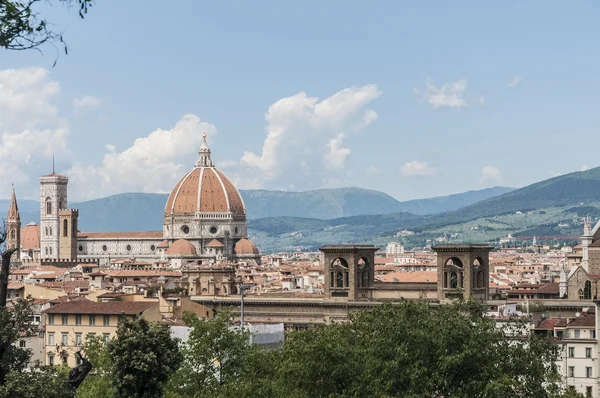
x=582 y=279
x=13 y=227
x=204 y=218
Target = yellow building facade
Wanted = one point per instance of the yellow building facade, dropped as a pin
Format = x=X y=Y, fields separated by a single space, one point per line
x=69 y=324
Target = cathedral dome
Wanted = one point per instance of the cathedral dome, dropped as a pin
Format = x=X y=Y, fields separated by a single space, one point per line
x=181 y=247
x=204 y=189
x=245 y=247
x=30 y=236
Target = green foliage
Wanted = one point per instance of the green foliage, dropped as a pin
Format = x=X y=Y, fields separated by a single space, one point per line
x=98 y=382
x=47 y=381
x=214 y=356
x=144 y=356
x=15 y=322
x=407 y=350
x=22 y=28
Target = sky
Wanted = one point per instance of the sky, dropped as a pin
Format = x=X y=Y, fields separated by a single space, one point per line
x=415 y=99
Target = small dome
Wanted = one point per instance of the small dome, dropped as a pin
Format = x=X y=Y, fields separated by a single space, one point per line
x=30 y=237
x=245 y=247
x=163 y=244
x=215 y=243
x=181 y=247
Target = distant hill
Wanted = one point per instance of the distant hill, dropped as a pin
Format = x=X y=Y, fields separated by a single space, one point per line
x=550 y=207
x=320 y=203
x=144 y=212
x=573 y=189
x=441 y=204
x=346 y=202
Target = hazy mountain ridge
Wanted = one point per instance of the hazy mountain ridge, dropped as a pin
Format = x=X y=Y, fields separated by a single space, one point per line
x=144 y=212
x=551 y=207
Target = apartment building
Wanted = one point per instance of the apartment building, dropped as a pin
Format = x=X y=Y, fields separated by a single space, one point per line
x=70 y=323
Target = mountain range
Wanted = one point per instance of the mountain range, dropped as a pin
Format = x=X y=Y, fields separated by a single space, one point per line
x=289 y=220
x=144 y=211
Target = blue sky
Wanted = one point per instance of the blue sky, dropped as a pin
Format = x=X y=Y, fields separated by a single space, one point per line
x=415 y=99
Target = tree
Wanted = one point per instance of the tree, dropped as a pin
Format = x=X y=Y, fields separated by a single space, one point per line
x=213 y=356
x=98 y=382
x=15 y=321
x=143 y=356
x=47 y=381
x=21 y=28
x=412 y=350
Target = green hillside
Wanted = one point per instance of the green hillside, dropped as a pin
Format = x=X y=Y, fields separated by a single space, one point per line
x=144 y=212
x=548 y=208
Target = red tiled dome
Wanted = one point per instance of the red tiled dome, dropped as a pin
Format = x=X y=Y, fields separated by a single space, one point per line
x=30 y=236
x=181 y=247
x=245 y=247
x=205 y=189
x=215 y=243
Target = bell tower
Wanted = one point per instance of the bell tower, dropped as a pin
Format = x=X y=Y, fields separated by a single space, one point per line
x=463 y=271
x=349 y=272
x=53 y=197
x=13 y=227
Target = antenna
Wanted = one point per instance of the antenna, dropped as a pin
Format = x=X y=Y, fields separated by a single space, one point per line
x=52 y=163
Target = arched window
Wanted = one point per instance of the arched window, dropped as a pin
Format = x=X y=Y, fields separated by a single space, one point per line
x=46 y=250
x=587 y=291
x=46 y=231
x=50 y=230
x=48 y=206
x=50 y=250
x=339 y=273
x=13 y=234
x=65 y=228
x=480 y=279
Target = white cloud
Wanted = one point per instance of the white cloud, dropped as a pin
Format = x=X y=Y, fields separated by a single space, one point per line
x=417 y=169
x=304 y=146
x=151 y=164
x=30 y=129
x=515 y=81
x=86 y=102
x=450 y=95
x=491 y=175
x=585 y=167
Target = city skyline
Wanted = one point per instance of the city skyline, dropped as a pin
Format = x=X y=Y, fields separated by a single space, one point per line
x=387 y=98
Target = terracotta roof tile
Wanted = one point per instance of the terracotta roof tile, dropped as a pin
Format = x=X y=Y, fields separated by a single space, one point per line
x=585 y=321
x=409 y=277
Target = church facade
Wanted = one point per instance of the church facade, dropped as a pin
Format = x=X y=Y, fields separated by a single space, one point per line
x=204 y=219
x=580 y=278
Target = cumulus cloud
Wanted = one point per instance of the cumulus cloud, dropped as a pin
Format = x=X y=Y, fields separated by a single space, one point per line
x=450 y=95
x=305 y=145
x=514 y=81
x=151 y=164
x=31 y=130
x=305 y=140
x=417 y=169
x=491 y=175
x=86 y=102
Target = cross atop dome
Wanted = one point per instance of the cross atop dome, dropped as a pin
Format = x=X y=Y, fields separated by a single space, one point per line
x=204 y=154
